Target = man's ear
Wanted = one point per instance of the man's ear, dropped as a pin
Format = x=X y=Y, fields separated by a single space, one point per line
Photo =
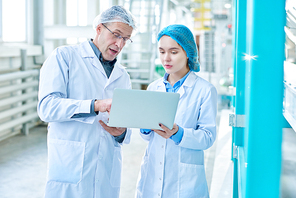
x=99 y=29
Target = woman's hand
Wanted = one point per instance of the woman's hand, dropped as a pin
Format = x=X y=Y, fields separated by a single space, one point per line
x=166 y=132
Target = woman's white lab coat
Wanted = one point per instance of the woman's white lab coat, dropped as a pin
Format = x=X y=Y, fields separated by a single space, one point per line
x=177 y=171
x=83 y=159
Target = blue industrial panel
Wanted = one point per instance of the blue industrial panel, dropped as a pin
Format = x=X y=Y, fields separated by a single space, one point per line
x=259 y=96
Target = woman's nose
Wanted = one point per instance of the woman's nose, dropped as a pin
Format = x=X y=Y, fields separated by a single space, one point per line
x=167 y=57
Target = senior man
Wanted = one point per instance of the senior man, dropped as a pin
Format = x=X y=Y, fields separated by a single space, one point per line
x=75 y=91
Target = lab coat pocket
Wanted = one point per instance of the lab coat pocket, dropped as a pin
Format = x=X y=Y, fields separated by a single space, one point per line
x=65 y=161
x=192 y=182
x=116 y=167
x=191 y=156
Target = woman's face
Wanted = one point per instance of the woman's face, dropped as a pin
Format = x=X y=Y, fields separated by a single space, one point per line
x=172 y=56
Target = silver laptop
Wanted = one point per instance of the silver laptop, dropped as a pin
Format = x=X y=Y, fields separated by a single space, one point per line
x=143 y=109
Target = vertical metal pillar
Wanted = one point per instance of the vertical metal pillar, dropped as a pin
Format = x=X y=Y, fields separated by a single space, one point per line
x=0 y=20
x=239 y=100
x=25 y=127
x=234 y=50
x=38 y=22
x=234 y=43
x=264 y=98
x=240 y=68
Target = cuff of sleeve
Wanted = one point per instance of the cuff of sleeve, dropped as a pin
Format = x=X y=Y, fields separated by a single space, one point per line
x=145 y=131
x=120 y=138
x=177 y=137
x=92 y=107
x=87 y=120
x=85 y=106
x=90 y=113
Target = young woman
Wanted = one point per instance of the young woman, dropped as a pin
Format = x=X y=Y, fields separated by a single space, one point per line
x=173 y=164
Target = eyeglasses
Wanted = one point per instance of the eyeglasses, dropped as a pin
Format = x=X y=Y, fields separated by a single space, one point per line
x=118 y=36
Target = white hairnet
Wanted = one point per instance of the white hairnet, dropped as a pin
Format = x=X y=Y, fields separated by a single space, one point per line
x=115 y=14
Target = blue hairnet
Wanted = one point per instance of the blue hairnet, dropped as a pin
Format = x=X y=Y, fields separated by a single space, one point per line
x=184 y=37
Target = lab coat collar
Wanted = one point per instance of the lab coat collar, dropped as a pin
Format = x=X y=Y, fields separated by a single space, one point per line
x=117 y=72
x=189 y=82
x=87 y=52
x=161 y=86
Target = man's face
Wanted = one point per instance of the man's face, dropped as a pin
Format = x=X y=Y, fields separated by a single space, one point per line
x=109 y=45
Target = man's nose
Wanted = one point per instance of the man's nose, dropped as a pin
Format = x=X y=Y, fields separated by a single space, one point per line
x=120 y=42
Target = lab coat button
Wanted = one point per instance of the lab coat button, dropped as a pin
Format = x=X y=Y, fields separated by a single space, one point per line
x=159 y=178
x=158 y=194
x=160 y=163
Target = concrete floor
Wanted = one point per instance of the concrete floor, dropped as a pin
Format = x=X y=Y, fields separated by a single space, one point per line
x=23 y=161
x=288 y=177
x=222 y=169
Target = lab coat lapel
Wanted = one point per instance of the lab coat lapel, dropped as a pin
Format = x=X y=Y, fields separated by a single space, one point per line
x=188 y=83
x=161 y=86
x=116 y=73
x=88 y=52
x=181 y=91
x=96 y=62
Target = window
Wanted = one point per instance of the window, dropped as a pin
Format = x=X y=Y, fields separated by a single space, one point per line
x=76 y=16
x=13 y=20
x=76 y=12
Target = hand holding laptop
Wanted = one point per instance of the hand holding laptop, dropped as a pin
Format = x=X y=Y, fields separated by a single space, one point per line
x=166 y=132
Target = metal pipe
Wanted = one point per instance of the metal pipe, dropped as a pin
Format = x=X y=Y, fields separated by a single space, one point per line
x=234 y=63
x=18 y=109
x=16 y=87
x=17 y=75
x=15 y=99
x=17 y=121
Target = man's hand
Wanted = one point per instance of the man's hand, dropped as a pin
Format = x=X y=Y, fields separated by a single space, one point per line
x=166 y=132
x=115 y=131
x=103 y=105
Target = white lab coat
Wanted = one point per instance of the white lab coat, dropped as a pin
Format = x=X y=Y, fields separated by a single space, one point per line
x=177 y=171
x=84 y=160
